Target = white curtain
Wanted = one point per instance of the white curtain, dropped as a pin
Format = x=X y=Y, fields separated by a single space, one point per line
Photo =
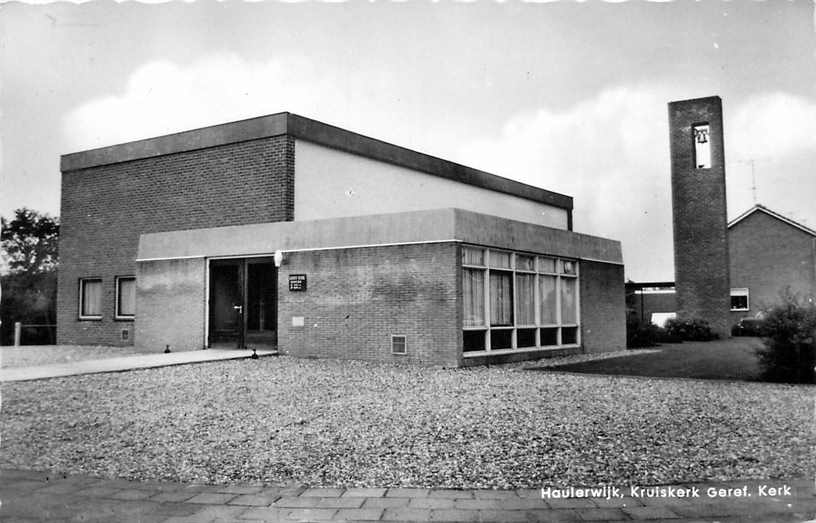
x=549 y=302
x=92 y=298
x=127 y=297
x=473 y=297
x=569 y=304
x=501 y=298
x=525 y=295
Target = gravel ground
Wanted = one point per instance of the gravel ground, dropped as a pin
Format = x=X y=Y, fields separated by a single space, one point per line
x=30 y=355
x=340 y=423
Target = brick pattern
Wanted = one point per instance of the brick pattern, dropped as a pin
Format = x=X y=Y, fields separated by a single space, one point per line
x=767 y=255
x=699 y=216
x=357 y=298
x=603 y=310
x=105 y=209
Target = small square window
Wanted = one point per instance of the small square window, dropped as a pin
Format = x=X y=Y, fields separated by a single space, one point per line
x=546 y=265
x=569 y=335
x=473 y=340
x=472 y=256
x=90 y=298
x=567 y=267
x=125 y=297
x=500 y=259
x=525 y=263
x=399 y=345
x=739 y=300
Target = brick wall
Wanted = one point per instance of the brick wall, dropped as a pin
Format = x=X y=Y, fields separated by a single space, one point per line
x=170 y=304
x=766 y=255
x=699 y=216
x=357 y=298
x=603 y=309
x=106 y=208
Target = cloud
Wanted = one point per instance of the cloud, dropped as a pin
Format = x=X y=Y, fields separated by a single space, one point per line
x=773 y=125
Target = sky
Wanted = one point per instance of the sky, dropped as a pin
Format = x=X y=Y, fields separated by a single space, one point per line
x=571 y=97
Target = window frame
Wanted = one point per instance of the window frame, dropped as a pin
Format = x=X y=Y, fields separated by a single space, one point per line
x=539 y=270
x=81 y=299
x=740 y=291
x=116 y=310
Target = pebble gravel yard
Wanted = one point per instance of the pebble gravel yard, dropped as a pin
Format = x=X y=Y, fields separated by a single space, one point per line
x=359 y=424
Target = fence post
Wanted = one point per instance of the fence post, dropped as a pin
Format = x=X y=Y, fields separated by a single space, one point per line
x=17 y=332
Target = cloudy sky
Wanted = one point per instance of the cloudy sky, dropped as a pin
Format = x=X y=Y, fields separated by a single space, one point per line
x=569 y=96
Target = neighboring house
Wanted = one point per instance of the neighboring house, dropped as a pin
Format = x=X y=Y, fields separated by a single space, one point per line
x=281 y=231
x=769 y=255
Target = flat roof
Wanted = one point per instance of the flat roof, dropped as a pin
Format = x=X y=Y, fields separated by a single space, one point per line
x=413 y=227
x=313 y=131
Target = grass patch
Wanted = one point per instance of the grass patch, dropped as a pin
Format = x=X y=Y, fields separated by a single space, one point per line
x=732 y=359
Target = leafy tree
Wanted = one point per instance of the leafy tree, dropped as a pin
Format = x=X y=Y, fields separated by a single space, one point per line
x=28 y=245
x=29 y=242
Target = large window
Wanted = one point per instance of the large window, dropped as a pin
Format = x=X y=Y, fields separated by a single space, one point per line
x=125 y=297
x=739 y=300
x=518 y=301
x=90 y=299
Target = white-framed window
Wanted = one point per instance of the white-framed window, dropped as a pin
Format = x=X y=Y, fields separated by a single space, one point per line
x=90 y=298
x=740 y=300
x=518 y=301
x=125 y=297
x=399 y=344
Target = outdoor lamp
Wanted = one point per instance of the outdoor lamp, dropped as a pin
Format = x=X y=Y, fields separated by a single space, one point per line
x=278 y=257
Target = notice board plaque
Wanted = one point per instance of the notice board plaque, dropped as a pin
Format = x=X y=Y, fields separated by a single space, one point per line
x=297 y=282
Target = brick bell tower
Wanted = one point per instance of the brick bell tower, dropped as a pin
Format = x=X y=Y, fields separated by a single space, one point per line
x=699 y=212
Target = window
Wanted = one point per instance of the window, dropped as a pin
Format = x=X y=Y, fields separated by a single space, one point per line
x=702 y=146
x=125 y=297
x=739 y=300
x=90 y=299
x=399 y=345
x=514 y=301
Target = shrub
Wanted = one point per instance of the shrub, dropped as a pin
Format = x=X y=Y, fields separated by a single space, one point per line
x=789 y=354
x=693 y=329
x=749 y=327
x=641 y=334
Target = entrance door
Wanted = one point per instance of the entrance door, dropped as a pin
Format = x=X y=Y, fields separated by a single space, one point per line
x=243 y=303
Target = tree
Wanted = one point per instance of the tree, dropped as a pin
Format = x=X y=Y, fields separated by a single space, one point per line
x=29 y=242
x=28 y=245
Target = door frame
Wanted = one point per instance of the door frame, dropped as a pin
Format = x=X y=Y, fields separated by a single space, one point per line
x=242 y=262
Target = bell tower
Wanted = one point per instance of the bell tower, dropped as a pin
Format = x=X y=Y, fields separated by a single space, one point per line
x=699 y=212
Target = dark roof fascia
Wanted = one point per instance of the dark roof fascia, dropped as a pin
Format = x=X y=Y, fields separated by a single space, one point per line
x=312 y=131
x=642 y=285
x=772 y=214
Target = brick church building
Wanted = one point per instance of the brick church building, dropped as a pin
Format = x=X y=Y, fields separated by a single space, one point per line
x=285 y=232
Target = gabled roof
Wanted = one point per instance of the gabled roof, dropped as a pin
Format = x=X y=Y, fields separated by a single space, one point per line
x=762 y=208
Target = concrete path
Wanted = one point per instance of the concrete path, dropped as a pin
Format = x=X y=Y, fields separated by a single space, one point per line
x=124 y=363
x=38 y=496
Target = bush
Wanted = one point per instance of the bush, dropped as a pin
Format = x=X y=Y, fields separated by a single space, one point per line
x=640 y=334
x=789 y=354
x=693 y=329
x=749 y=327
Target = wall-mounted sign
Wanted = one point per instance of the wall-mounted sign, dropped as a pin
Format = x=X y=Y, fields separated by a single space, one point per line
x=297 y=282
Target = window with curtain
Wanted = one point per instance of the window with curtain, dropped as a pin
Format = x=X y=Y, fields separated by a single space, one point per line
x=90 y=298
x=569 y=302
x=525 y=296
x=125 y=297
x=549 y=300
x=501 y=298
x=473 y=296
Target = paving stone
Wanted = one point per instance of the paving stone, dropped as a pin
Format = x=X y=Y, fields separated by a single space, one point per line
x=132 y=494
x=479 y=504
x=529 y=493
x=364 y=492
x=406 y=514
x=238 y=489
x=340 y=502
x=650 y=512
x=60 y=488
x=495 y=494
x=524 y=504
x=358 y=514
x=300 y=502
x=407 y=493
x=173 y=496
x=254 y=500
x=553 y=515
x=502 y=516
x=616 y=502
x=451 y=494
x=323 y=492
x=97 y=492
x=438 y=503
x=311 y=514
x=570 y=503
x=455 y=515
x=212 y=498
x=386 y=502
x=601 y=514
x=265 y=514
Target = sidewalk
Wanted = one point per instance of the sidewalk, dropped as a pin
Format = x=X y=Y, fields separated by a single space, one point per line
x=38 y=496
x=124 y=363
